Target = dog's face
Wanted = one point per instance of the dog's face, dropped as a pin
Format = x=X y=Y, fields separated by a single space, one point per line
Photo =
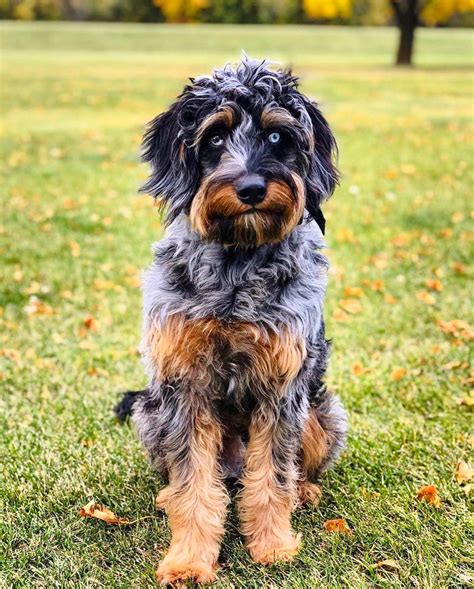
x=242 y=153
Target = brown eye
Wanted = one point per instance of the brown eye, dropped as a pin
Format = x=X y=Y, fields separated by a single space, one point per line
x=216 y=140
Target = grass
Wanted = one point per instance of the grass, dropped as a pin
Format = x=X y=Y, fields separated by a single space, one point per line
x=75 y=236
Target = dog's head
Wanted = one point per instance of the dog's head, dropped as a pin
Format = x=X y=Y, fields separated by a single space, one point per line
x=243 y=153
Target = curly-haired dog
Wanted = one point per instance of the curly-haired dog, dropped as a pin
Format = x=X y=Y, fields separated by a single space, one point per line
x=233 y=329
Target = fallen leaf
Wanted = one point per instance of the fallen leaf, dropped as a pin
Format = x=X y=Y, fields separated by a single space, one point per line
x=389 y=564
x=98 y=511
x=398 y=374
x=37 y=307
x=389 y=299
x=451 y=365
x=425 y=297
x=75 y=249
x=408 y=169
x=458 y=267
x=463 y=472
x=344 y=235
x=457 y=217
x=434 y=284
x=467 y=401
x=337 y=525
x=358 y=369
x=375 y=285
x=468 y=489
x=340 y=315
x=390 y=174
x=353 y=291
x=446 y=233
x=87 y=345
x=457 y=328
x=400 y=240
x=429 y=493
x=90 y=323
x=11 y=354
x=350 y=305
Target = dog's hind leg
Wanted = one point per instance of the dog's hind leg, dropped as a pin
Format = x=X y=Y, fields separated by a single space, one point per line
x=323 y=438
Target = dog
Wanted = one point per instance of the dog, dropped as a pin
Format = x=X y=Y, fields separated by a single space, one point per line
x=233 y=336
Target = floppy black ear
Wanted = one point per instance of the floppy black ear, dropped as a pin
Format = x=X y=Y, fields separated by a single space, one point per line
x=323 y=174
x=174 y=170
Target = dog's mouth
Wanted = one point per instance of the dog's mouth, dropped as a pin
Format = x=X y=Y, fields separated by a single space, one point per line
x=253 y=212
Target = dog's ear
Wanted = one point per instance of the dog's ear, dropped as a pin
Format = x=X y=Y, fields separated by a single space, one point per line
x=323 y=174
x=174 y=170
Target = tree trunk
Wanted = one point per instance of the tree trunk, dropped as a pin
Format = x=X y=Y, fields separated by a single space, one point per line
x=406 y=12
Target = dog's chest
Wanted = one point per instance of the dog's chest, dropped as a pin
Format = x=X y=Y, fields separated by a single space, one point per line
x=226 y=358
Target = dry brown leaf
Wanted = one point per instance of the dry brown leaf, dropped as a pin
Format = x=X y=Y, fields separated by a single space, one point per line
x=375 y=285
x=398 y=374
x=337 y=525
x=98 y=511
x=408 y=169
x=389 y=299
x=350 y=305
x=457 y=217
x=458 y=267
x=457 y=328
x=463 y=472
x=75 y=249
x=11 y=354
x=389 y=564
x=446 y=233
x=358 y=369
x=425 y=297
x=340 y=315
x=434 y=284
x=429 y=493
x=90 y=323
x=452 y=365
x=344 y=235
x=36 y=307
x=400 y=240
x=468 y=489
x=353 y=291
x=466 y=401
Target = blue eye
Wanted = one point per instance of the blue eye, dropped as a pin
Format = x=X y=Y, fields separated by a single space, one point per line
x=216 y=140
x=274 y=137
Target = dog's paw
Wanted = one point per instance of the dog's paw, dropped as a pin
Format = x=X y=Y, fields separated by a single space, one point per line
x=171 y=572
x=309 y=494
x=162 y=499
x=270 y=553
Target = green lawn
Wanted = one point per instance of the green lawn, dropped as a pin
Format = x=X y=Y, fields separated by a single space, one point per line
x=75 y=235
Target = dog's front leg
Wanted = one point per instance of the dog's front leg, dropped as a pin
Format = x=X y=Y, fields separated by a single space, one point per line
x=269 y=486
x=196 y=498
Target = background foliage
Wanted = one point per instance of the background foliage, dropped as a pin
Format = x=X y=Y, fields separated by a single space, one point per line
x=366 y=12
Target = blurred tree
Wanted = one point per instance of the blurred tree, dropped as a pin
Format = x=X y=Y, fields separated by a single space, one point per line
x=410 y=14
x=181 y=10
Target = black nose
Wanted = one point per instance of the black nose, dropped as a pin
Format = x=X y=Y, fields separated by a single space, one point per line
x=251 y=189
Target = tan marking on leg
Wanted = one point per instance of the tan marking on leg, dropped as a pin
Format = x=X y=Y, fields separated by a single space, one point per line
x=196 y=502
x=265 y=509
x=309 y=493
x=314 y=444
x=162 y=498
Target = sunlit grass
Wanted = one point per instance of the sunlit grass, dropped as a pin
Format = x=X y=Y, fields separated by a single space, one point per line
x=75 y=236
